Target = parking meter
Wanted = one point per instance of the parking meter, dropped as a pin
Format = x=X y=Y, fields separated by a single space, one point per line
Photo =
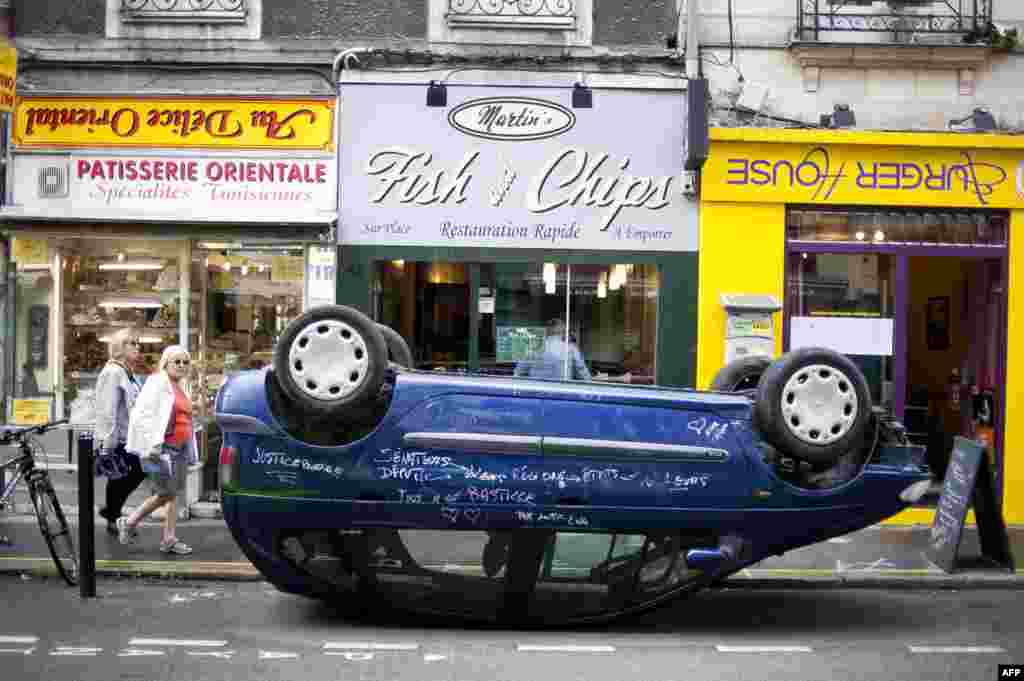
x=749 y=328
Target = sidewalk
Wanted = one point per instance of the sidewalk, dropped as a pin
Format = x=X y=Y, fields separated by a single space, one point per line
x=880 y=556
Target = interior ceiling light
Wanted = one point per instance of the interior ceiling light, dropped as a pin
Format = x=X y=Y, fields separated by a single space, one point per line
x=132 y=302
x=140 y=264
x=120 y=256
x=219 y=245
x=879 y=235
x=860 y=236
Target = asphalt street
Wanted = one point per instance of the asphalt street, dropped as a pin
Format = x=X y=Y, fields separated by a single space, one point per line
x=193 y=631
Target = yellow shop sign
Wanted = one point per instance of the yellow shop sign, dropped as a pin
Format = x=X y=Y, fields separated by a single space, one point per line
x=172 y=122
x=865 y=173
x=8 y=75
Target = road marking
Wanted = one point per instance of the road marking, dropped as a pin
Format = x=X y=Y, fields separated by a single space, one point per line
x=222 y=654
x=22 y=651
x=434 y=658
x=69 y=651
x=764 y=649
x=18 y=639
x=955 y=648
x=134 y=652
x=352 y=657
x=838 y=540
x=273 y=655
x=530 y=648
x=365 y=645
x=176 y=642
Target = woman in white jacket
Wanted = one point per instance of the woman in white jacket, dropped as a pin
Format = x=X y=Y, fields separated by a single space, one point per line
x=160 y=432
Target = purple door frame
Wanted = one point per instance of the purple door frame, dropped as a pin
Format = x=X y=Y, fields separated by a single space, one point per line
x=901 y=306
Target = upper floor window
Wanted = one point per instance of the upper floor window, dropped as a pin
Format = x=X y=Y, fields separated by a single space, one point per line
x=559 y=14
x=512 y=22
x=185 y=19
x=189 y=11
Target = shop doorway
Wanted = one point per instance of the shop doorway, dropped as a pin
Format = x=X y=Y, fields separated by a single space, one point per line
x=917 y=300
x=954 y=351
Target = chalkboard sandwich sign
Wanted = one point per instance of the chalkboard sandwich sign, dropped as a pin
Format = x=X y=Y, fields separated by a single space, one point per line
x=968 y=482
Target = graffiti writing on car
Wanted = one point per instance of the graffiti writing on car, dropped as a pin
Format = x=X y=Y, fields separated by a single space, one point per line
x=709 y=428
x=554 y=517
x=264 y=458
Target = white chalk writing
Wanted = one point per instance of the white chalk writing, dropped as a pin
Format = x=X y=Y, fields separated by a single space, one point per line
x=266 y=458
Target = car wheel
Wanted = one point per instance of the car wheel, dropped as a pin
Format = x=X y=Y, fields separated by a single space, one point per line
x=330 y=359
x=813 y=404
x=398 y=349
x=740 y=374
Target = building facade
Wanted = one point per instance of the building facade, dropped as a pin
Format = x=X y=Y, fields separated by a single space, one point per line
x=174 y=153
x=865 y=156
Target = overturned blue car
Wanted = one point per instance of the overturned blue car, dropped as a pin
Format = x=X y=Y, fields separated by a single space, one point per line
x=347 y=476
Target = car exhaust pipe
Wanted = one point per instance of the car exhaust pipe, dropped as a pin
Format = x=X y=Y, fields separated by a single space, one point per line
x=712 y=560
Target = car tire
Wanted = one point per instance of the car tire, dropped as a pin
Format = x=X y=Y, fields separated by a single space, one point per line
x=329 y=360
x=814 y=405
x=398 y=350
x=741 y=374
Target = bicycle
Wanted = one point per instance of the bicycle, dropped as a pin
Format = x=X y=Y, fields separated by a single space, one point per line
x=52 y=522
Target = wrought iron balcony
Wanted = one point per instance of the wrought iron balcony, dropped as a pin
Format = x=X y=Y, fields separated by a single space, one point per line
x=547 y=14
x=184 y=11
x=898 y=21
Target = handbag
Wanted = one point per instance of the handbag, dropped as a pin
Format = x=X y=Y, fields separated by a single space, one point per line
x=112 y=463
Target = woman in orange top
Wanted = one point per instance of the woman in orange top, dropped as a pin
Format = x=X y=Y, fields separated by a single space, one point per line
x=160 y=431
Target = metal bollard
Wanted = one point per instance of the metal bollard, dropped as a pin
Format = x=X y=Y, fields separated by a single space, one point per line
x=86 y=518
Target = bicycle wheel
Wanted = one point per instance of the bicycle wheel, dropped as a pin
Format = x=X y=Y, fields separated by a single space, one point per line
x=54 y=528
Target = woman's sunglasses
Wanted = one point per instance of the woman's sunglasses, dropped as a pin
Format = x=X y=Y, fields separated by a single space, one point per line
x=179 y=362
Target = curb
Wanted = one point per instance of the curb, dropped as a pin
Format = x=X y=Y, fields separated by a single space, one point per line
x=201 y=509
x=874 y=579
x=222 y=571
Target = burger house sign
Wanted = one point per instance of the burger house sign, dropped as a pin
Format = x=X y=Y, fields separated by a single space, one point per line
x=516 y=170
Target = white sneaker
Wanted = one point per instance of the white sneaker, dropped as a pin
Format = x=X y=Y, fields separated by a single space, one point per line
x=125 y=534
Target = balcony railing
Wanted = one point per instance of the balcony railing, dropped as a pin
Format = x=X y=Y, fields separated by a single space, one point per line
x=184 y=11
x=899 y=21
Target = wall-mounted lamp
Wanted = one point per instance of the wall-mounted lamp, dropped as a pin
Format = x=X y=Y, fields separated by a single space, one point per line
x=582 y=96
x=437 y=94
x=843 y=116
x=981 y=120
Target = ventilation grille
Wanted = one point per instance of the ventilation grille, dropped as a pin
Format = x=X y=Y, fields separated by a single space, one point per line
x=53 y=182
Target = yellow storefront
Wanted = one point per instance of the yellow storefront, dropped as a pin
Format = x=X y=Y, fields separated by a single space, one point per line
x=898 y=249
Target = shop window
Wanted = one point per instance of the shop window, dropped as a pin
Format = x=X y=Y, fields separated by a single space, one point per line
x=845 y=302
x=184 y=19
x=107 y=286
x=249 y=294
x=534 y=319
x=925 y=227
x=428 y=304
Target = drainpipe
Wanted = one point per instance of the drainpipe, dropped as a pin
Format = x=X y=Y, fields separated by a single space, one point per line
x=692 y=46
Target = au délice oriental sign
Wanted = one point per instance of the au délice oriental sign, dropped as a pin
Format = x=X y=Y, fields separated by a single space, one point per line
x=864 y=174
x=513 y=167
x=175 y=123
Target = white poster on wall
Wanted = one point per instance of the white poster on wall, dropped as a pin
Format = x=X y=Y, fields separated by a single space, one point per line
x=182 y=188
x=515 y=168
x=871 y=336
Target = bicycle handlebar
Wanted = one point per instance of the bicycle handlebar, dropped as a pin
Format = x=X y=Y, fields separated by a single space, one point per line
x=13 y=435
